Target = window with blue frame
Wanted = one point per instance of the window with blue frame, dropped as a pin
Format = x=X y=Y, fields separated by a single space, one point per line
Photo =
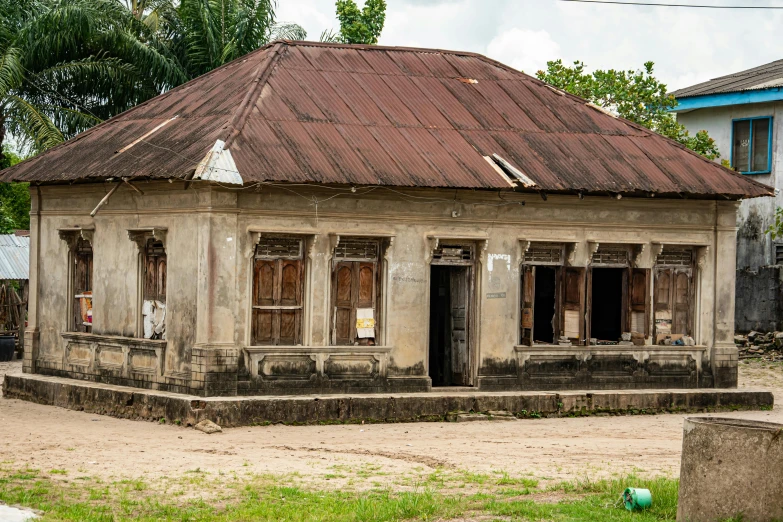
x=751 y=151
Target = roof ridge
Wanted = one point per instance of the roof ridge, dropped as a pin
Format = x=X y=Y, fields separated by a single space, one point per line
x=248 y=102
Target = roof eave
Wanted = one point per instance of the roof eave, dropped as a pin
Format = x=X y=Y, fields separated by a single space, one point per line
x=706 y=101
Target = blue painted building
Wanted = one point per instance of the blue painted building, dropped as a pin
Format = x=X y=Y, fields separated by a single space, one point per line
x=743 y=112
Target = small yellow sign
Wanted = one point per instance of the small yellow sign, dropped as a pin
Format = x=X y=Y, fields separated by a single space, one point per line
x=365 y=323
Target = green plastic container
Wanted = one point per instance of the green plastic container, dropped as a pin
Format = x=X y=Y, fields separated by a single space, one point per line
x=637 y=499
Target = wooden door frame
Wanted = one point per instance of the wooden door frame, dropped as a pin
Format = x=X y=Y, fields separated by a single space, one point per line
x=471 y=315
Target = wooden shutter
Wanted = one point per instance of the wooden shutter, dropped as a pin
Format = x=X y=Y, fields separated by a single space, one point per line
x=528 y=285
x=572 y=323
x=681 y=301
x=662 y=300
x=277 y=301
x=588 y=300
x=155 y=272
x=82 y=283
x=354 y=285
x=638 y=301
x=345 y=312
x=263 y=296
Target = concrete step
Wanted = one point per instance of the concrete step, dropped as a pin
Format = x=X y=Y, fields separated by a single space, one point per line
x=141 y=404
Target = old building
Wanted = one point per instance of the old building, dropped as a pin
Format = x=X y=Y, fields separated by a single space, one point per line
x=318 y=217
x=740 y=112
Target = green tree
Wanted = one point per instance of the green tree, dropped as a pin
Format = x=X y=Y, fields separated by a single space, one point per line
x=636 y=96
x=14 y=199
x=66 y=65
x=775 y=230
x=205 y=34
x=358 y=26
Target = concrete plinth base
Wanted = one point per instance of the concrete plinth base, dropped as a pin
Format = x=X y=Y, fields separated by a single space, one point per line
x=134 y=403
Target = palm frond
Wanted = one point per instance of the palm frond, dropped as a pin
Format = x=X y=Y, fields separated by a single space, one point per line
x=286 y=31
x=34 y=129
x=11 y=70
x=329 y=36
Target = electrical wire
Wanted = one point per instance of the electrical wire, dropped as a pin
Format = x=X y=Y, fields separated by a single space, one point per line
x=660 y=4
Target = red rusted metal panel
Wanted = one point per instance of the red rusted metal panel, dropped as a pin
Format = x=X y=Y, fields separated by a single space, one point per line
x=308 y=112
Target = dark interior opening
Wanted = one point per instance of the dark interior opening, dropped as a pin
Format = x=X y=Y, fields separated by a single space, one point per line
x=606 y=313
x=543 y=329
x=448 y=343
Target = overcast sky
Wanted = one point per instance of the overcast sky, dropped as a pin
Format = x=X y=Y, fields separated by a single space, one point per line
x=687 y=45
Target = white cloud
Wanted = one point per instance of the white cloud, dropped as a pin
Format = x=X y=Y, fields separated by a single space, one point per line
x=523 y=49
x=687 y=45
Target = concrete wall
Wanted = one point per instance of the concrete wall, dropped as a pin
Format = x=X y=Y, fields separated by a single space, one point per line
x=727 y=470
x=210 y=238
x=755 y=248
x=759 y=299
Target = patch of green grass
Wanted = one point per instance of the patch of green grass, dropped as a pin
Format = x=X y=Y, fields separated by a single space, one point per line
x=595 y=500
x=58 y=472
x=513 y=492
x=268 y=498
x=507 y=480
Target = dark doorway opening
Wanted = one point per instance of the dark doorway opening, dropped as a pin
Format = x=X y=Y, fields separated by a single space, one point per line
x=606 y=314
x=543 y=326
x=449 y=326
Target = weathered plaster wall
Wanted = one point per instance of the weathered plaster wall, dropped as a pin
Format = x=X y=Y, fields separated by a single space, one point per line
x=116 y=297
x=754 y=246
x=210 y=246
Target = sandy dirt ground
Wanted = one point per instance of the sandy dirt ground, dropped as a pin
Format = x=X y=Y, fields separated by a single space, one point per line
x=48 y=438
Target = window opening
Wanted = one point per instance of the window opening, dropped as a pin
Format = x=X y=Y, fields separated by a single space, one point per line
x=544 y=253
x=545 y=301
x=278 y=275
x=453 y=254
x=82 y=286
x=449 y=363
x=552 y=297
x=154 y=298
x=674 y=294
x=752 y=138
x=606 y=315
x=779 y=254
x=356 y=292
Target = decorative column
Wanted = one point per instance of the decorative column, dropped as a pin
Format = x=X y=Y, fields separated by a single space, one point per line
x=31 y=332
x=724 y=357
x=215 y=354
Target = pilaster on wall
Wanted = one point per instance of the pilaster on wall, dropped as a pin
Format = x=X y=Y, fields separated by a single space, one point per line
x=216 y=351
x=31 y=333
x=724 y=353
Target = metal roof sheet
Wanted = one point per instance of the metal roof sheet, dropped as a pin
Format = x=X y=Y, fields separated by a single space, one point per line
x=14 y=256
x=372 y=115
x=767 y=76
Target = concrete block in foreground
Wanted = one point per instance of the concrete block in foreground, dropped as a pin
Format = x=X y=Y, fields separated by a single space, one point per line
x=152 y=405
x=731 y=468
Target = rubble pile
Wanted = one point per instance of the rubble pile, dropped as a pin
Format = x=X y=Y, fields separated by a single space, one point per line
x=758 y=345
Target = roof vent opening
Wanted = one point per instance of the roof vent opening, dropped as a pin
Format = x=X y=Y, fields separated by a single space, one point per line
x=511 y=171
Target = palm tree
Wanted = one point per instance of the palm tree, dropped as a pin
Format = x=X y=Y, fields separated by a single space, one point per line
x=65 y=65
x=209 y=33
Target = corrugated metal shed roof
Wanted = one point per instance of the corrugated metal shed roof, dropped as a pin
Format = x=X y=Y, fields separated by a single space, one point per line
x=14 y=256
x=370 y=115
x=767 y=76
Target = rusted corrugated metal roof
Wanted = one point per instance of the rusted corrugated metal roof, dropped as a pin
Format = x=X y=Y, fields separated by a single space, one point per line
x=369 y=115
x=14 y=256
x=767 y=76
